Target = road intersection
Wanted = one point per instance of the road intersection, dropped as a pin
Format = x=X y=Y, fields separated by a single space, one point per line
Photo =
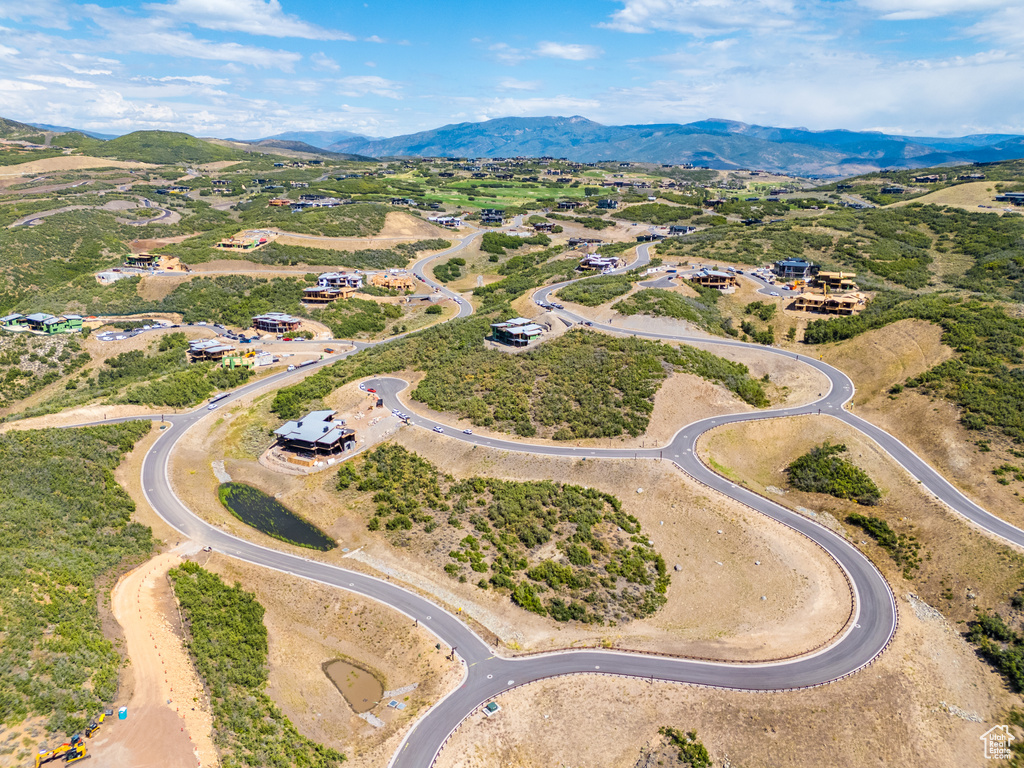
x=486 y=674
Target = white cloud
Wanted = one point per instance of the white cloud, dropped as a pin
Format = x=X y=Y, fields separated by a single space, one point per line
x=506 y=54
x=67 y=82
x=903 y=10
x=702 y=18
x=375 y=39
x=43 y=13
x=113 y=107
x=1005 y=26
x=19 y=85
x=322 y=61
x=152 y=37
x=196 y=79
x=512 y=84
x=253 y=17
x=569 y=51
x=5 y=51
x=541 y=105
x=361 y=85
x=370 y=64
x=80 y=71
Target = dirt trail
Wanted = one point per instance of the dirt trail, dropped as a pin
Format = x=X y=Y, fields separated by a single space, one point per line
x=169 y=723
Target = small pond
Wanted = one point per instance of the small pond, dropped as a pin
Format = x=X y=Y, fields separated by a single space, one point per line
x=361 y=690
x=267 y=515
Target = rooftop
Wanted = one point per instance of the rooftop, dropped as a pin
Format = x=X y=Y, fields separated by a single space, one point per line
x=316 y=427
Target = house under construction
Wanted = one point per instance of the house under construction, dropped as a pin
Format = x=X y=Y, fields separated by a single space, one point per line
x=842 y=282
x=834 y=304
x=712 y=278
x=317 y=295
x=394 y=280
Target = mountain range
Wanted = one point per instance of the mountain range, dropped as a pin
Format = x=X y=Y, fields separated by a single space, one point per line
x=720 y=144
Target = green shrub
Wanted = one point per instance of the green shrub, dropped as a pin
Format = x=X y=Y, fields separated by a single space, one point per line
x=822 y=470
x=228 y=641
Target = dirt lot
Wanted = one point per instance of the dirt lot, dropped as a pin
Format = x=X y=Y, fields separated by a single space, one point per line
x=309 y=624
x=878 y=359
x=887 y=715
x=807 y=603
x=974 y=196
x=68 y=163
x=399 y=227
x=961 y=569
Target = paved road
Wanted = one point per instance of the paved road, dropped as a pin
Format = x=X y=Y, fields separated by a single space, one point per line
x=872 y=627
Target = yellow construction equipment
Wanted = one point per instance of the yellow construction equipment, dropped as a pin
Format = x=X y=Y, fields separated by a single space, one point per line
x=54 y=754
x=70 y=751
x=76 y=754
x=95 y=725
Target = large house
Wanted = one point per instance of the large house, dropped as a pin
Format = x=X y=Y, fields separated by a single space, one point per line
x=316 y=294
x=608 y=204
x=711 y=278
x=40 y=322
x=517 y=332
x=837 y=281
x=208 y=349
x=141 y=260
x=340 y=280
x=316 y=434
x=789 y=269
x=845 y=304
x=276 y=322
x=594 y=261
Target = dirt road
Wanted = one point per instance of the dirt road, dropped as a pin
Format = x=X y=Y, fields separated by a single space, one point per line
x=169 y=724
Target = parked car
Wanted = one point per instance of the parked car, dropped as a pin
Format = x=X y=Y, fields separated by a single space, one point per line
x=774 y=293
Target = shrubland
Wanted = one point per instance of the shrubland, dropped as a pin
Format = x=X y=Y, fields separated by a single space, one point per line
x=605 y=569
x=67 y=529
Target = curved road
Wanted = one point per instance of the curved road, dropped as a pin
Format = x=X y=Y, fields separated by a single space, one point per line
x=486 y=675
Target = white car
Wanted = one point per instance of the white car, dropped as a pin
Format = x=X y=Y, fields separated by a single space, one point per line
x=467 y=431
x=774 y=293
x=439 y=429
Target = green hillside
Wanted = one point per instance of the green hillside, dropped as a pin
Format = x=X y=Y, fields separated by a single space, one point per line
x=160 y=147
x=12 y=129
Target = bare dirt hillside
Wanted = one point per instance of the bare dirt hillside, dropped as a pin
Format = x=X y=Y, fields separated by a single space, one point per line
x=68 y=163
x=975 y=196
x=311 y=624
x=899 y=711
x=961 y=569
x=930 y=426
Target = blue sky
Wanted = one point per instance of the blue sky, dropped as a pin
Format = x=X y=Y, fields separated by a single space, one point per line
x=251 y=68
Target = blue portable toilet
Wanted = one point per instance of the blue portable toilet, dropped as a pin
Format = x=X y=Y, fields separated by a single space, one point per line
x=122 y=713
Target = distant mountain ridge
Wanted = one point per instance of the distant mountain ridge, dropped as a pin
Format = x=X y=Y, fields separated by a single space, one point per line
x=65 y=129
x=721 y=144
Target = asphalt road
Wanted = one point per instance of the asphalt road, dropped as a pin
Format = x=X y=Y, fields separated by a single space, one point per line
x=486 y=675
